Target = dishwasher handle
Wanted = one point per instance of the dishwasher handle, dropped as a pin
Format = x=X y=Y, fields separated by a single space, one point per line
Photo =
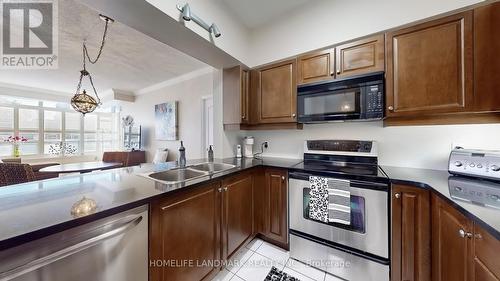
x=131 y=221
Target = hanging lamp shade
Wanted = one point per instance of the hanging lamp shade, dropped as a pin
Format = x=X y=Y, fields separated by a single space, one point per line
x=84 y=103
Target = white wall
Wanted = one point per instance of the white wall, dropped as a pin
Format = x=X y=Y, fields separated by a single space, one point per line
x=234 y=39
x=189 y=94
x=412 y=146
x=327 y=22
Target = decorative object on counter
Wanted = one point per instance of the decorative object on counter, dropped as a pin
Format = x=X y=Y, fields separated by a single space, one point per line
x=248 y=142
x=82 y=102
x=15 y=141
x=166 y=127
x=210 y=154
x=278 y=275
x=83 y=207
x=187 y=15
x=182 y=155
x=62 y=148
x=238 y=151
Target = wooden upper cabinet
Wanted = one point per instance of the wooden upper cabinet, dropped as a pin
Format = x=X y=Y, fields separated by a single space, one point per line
x=186 y=227
x=317 y=66
x=237 y=212
x=411 y=231
x=360 y=57
x=276 y=93
x=486 y=262
x=451 y=243
x=236 y=98
x=429 y=67
x=486 y=58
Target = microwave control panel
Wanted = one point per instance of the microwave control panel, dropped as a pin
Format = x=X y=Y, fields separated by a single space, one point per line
x=374 y=101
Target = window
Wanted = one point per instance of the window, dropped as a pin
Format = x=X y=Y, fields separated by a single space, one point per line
x=49 y=124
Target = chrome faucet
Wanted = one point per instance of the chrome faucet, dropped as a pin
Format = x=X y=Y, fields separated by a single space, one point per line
x=182 y=155
x=210 y=153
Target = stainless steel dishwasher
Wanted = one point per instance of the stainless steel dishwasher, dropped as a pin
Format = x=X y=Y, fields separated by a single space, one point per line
x=113 y=248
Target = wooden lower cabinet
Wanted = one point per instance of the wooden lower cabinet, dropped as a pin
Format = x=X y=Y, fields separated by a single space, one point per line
x=237 y=212
x=486 y=265
x=411 y=230
x=186 y=227
x=450 y=245
x=271 y=205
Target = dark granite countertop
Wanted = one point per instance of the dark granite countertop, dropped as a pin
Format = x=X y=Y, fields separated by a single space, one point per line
x=37 y=209
x=487 y=217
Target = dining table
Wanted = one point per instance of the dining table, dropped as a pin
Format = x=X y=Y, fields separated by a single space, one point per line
x=81 y=167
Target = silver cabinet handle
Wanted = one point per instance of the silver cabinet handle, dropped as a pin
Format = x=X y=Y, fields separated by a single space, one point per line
x=243 y=117
x=225 y=188
x=391 y=108
x=293 y=115
x=397 y=195
x=283 y=178
x=131 y=222
x=338 y=71
x=332 y=73
x=219 y=189
x=464 y=234
x=478 y=236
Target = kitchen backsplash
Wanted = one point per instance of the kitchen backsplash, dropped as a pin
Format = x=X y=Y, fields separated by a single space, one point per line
x=409 y=146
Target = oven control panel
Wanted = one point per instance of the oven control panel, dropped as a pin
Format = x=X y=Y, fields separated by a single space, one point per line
x=477 y=163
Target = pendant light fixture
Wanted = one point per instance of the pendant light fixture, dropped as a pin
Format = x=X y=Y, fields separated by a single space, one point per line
x=81 y=101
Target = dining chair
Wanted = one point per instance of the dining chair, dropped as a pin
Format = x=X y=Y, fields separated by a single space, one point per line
x=13 y=173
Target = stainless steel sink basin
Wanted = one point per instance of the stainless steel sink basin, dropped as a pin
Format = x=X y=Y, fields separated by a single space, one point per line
x=212 y=167
x=177 y=175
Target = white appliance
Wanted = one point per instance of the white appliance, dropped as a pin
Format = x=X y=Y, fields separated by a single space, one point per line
x=113 y=248
x=248 y=146
x=475 y=163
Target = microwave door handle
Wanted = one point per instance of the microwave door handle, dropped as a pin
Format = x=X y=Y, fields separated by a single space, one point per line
x=131 y=222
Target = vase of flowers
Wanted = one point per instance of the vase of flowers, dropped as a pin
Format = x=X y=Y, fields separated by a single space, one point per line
x=15 y=141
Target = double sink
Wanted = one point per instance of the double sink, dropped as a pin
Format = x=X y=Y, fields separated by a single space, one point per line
x=179 y=175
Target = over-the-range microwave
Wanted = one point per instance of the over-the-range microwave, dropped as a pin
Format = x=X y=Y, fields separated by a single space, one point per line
x=354 y=98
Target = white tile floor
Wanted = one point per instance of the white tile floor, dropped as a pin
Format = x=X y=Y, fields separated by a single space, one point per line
x=254 y=262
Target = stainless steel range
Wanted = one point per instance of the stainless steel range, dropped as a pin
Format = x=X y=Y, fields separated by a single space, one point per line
x=359 y=249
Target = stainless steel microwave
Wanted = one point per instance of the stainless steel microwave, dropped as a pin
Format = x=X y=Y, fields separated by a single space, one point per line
x=355 y=98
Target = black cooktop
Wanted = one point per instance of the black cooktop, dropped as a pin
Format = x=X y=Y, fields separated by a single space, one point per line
x=362 y=168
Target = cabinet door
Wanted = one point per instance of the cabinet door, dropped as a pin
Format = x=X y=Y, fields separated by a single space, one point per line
x=186 y=227
x=411 y=232
x=451 y=245
x=317 y=66
x=277 y=93
x=429 y=67
x=360 y=57
x=245 y=97
x=486 y=262
x=237 y=211
x=486 y=58
x=277 y=206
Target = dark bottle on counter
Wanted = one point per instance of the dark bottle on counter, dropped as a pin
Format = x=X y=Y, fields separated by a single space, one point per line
x=210 y=154
x=182 y=155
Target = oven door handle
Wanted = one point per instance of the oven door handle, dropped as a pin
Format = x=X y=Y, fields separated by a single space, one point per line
x=130 y=222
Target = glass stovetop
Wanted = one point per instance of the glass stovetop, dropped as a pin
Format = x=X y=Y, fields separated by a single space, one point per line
x=340 y=167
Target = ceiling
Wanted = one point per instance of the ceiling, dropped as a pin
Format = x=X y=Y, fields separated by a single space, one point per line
x=255 y=13
x=130 y=61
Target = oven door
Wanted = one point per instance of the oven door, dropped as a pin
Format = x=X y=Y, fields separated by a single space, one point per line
x=322 y=105
x=369 y=229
